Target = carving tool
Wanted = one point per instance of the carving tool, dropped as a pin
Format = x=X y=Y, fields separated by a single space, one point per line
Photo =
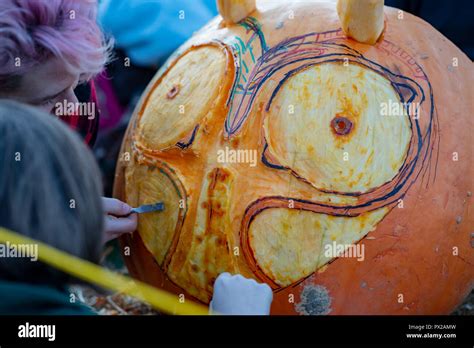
x=148 y=208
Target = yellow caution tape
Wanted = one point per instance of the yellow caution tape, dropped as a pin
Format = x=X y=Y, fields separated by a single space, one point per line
x=85 y=270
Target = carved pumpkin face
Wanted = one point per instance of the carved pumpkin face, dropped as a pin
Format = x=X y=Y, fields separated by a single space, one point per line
x=278 y=143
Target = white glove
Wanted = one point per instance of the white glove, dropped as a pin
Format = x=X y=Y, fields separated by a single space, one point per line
x=237 y=295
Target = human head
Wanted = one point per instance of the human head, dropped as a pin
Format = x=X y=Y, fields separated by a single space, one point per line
x=47 y=47
x=50 y=190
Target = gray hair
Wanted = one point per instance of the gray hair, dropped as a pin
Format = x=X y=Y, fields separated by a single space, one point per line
x=50 y=188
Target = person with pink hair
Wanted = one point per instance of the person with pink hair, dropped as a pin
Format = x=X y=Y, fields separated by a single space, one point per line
x=47 y=48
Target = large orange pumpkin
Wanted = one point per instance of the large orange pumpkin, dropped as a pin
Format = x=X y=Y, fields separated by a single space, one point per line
x=277 y=142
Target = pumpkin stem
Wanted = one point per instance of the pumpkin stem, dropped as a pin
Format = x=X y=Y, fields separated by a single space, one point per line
x=362 y=20
x=233 y=11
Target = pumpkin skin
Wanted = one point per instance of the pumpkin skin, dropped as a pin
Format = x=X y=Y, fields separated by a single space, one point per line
x=403 y=196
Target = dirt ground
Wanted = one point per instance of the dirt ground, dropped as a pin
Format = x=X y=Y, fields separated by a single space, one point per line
x=467 y=307
x=118 y=304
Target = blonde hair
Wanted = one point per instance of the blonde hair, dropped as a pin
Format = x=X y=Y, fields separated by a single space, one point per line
x=50 y=190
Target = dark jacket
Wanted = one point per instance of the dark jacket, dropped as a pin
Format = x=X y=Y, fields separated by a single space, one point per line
x=31 y=299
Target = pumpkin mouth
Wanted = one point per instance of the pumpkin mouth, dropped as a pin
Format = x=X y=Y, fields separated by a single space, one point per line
x=341 y=125
x=290 y=244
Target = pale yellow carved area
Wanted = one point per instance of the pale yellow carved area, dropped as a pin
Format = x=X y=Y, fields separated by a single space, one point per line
x=210 y=250
x=299 y=134
x=147 y=186
x=183 y=98
x=289 y=244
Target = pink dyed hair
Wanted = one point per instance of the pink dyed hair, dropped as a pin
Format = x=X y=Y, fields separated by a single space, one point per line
x=36 y=30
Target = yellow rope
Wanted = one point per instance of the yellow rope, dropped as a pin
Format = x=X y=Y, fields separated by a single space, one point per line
x=92 y=273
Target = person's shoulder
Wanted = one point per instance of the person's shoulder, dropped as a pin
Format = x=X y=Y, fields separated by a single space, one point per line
x=32 y=299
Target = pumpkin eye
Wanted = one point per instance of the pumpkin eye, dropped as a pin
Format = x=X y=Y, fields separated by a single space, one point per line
x=184 y=96
x=325 y=124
